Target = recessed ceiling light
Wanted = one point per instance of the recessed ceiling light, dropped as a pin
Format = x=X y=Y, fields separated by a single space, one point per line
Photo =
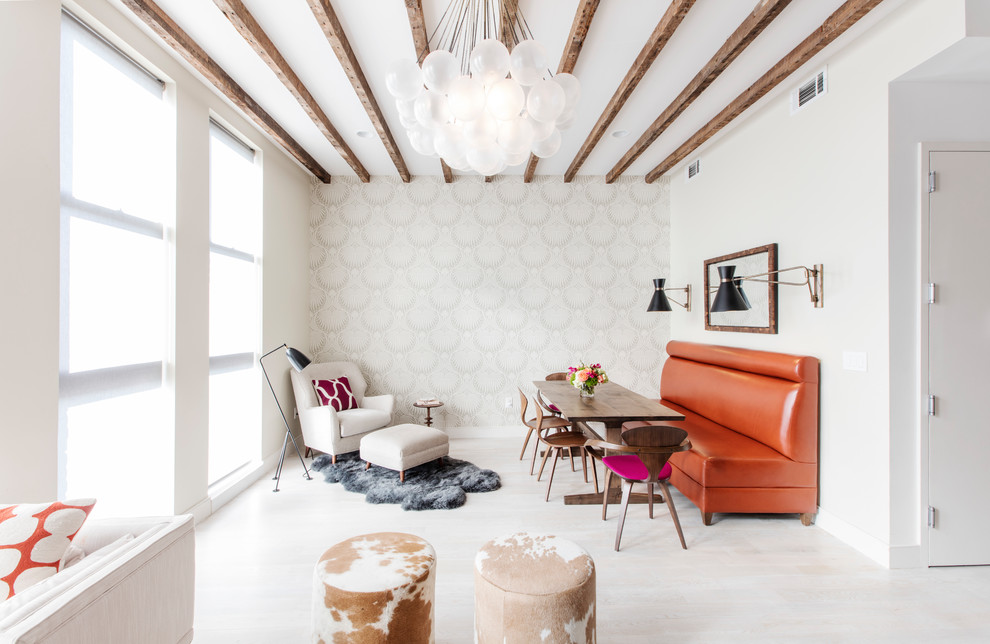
x=620 y=133
x=364 y=134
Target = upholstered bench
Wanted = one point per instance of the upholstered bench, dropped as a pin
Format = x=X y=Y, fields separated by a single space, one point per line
x=403 y=446
x=534 y=588
x=375 y=588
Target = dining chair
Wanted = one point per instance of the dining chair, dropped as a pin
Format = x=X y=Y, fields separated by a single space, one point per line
x=547 y=405
x=532 y=426
x=643 y=459
x=558 y=441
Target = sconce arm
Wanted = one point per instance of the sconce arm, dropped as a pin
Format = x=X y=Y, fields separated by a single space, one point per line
x=687 y=303
x=812 y=279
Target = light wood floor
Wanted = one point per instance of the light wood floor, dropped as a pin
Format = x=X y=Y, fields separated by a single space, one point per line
x=745 y=578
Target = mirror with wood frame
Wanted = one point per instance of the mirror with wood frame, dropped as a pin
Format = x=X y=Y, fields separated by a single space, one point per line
x=759 y=291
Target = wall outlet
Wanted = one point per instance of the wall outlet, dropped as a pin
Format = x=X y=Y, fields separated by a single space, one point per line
x=508 y=402
x=854 y=360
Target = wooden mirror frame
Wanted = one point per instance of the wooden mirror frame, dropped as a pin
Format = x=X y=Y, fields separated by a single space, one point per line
x=771 y=252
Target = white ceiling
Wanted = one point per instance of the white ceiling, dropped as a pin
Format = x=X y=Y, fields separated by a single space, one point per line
x=379 y=33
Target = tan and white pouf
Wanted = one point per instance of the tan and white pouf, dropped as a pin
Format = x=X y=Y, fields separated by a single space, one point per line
x=403 y=446
x=533 y=588
x=375 y=588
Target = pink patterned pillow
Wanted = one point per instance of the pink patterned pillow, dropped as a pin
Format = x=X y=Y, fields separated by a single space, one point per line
x=33 y=539
x=335 y=393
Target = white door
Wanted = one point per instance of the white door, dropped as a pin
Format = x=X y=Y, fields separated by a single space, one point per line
x=959 y=358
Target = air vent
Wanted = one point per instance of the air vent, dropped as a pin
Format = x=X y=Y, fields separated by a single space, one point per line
x=694 y=169
x=809 y=91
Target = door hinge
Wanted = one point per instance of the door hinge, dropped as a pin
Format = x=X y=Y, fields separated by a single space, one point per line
x=931 y=404
x=930 y=293
x=931 y=181
x=931 y=517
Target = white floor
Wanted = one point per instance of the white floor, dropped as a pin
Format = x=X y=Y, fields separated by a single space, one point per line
x=745 y=578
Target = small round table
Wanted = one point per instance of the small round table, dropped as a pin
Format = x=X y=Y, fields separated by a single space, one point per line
x=428 y=407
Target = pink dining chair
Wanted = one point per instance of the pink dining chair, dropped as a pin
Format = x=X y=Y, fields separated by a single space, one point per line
x=643 y=459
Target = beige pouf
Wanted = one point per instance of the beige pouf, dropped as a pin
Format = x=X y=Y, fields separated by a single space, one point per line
x=403 y=446
x=375 y=588
x=533 y=588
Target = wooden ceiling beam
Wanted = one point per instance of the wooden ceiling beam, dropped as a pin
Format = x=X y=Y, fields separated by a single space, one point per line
x=575 y=41
x=417 y=24
x=334 y=32
x=166 y=29
x=754 y=24
x=669 y=23
x=254 y=35
x=834 y=26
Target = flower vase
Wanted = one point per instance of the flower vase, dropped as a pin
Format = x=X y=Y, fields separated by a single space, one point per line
x=587 y=392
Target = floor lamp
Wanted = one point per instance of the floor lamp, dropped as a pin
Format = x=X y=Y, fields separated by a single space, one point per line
x=299 y=362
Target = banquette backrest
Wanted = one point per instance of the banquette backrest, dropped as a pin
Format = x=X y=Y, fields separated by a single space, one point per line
x=770 y=397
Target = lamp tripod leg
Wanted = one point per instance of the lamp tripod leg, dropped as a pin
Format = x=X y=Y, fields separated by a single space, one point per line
x=281 y=459
x=299 y=454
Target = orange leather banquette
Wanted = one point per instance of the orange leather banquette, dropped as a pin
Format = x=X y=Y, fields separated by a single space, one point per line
x=752 y=417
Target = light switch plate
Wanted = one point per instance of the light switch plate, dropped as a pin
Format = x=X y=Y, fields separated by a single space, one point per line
x=854 y=360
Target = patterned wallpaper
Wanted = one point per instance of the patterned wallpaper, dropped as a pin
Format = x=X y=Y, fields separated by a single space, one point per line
x=464 y=291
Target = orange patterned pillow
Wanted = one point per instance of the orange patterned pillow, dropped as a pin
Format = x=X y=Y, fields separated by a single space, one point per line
x=33 y=538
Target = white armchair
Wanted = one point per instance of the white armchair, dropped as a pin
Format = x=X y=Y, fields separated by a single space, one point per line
x=333 y=432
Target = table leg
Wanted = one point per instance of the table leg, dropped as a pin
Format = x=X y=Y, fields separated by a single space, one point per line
x=429 y=421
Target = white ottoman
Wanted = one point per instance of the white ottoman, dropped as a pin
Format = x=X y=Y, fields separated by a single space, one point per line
x=403 y=446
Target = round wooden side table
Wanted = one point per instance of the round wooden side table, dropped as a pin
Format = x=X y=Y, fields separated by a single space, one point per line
x=428 y=407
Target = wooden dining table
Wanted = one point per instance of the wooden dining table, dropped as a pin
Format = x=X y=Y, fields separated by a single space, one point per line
x=611 y=405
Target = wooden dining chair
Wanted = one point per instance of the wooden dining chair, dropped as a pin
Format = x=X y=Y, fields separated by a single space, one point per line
x=546 y=404
x=556 y=440
x=532 y=425
x=643 y=459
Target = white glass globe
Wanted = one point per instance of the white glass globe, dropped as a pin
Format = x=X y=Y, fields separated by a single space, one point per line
x=481 y=131
x=440 y=68
x=466 y=98
x=528 y=62
x=515 y=136
x=408 y=121
x=514 y=159
x=404 y=79
x=506 y=99
x=431 y=109
x=405 y=108
x=449 y=142
x=572 y=90
x=546 y=101
x=485 y=159
x=548 y=146
x=422 y=141
x=489 y=61
x=541 y=130
x=566 y=119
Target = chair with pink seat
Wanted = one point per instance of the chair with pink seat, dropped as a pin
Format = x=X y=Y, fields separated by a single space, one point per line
x=643 y=459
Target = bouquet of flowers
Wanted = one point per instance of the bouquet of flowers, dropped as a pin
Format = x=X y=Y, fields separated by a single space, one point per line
x=586 y=378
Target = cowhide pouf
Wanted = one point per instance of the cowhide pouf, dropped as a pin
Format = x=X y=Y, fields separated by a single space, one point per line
x=534 y=588
x=375 y=588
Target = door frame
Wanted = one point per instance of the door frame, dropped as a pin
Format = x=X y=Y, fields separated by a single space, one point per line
x=925 y=148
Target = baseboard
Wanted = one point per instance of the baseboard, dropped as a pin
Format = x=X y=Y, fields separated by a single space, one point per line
x=201 y=511
x=906 y=557
x=504 y=431
x=844 y=531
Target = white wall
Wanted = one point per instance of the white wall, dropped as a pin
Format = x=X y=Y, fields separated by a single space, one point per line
x=816 y=183
x=919 y=112
x=29 y=250
x=466 y=291
x=29 y=38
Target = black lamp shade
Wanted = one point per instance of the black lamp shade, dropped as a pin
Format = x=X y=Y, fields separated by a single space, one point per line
x=738 y=282
x=728 y=297
x=659 y=301
x=297 y=358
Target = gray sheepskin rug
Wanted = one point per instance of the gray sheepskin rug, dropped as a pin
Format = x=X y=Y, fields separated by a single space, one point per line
x=432 y=486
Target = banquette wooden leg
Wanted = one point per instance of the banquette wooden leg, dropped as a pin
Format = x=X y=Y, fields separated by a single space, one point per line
x=706 y=517
x=807 y=518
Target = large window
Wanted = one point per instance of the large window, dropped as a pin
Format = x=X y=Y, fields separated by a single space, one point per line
x=115 y=420
x=235 y=316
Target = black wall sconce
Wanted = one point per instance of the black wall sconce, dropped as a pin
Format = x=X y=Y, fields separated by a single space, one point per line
x=660 y=302
x=730 y=296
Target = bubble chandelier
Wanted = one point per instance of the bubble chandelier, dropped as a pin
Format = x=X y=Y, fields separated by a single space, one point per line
x=473 y=103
